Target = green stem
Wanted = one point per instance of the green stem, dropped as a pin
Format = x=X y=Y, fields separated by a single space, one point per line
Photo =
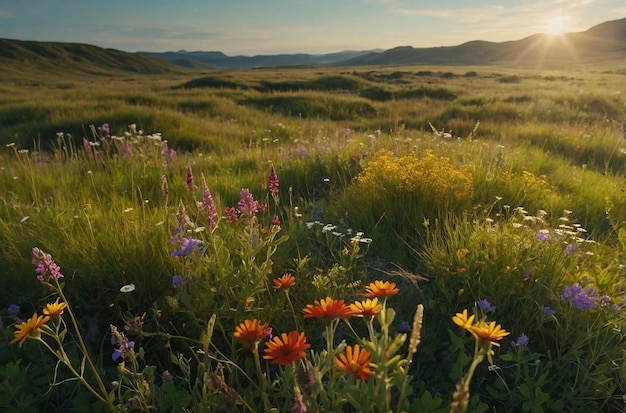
x=83 y=349
x=261 y=377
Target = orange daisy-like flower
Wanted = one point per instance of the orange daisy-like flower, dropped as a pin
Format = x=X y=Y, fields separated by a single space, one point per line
x=54 y=309
x=489 y=331
x=356 y=360
x=367 y=308
x=327 y=308
x=286 y=349
x=26 y=328
x=284 y=282
x=250 y=331
x=461 y=320
x=381 y=289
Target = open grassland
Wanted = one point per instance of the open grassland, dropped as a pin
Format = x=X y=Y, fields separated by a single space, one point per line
x=495 y=190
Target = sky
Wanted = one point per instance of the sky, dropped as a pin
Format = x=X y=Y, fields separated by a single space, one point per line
x=256 y=27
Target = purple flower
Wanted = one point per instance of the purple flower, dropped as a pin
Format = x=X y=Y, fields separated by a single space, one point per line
x=272 y=182
x=527 y=272
x=276 y=221
x=187 y=246
x=405 y=327
x=208 y=204
x=189 y=180
x=247 y=205
x=231 y=214
x=582 y=299
x=486 y=306
x=522 y=341
x=46 y=267
x=177 y=281
x=124 y=345
x=13 y=309
x=128 y=150
x=164 y=147
x=543 y=236
x=569 y=249
x=547 y=311
x=105 y=128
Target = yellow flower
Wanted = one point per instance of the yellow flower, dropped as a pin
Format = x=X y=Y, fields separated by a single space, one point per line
x=26 y=328
x=54 y=309
x=327 y=309
x=381 y=289
x=461 y=320
x=489 y=331
x=367 y=308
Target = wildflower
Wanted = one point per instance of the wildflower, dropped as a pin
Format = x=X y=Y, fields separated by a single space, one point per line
x=250 y=332
x=543 y=235
x=284 y=282
x=13 y=309
x=547 y=311
x=276 y=221
x=286 y=348
x=54 y=309
x=489 y=331
x=522 y=341
x=381 y=289
x=327 y=309
x=486 y=306
x=28 y=328
x=46 y=267
x=247 y=205
x=105 y=128
x=231 y=214
x=187 y=246
x=367 y=308
x=584 y=300
x=167 y=377
x=356 y=360
x=123 y=344
x=164 y=147
x=189 y=180
x=569 y=249
x=128 y=150
x=164 y=187
x=461 y=320
x=272 y=182
x=208 y=204
x=405 y=327
x=177 y=281
x=128 y=288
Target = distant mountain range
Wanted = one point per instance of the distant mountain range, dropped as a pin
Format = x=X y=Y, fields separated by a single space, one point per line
x=604 y=41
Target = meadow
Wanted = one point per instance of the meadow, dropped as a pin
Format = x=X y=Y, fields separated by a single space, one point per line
x=403 y=239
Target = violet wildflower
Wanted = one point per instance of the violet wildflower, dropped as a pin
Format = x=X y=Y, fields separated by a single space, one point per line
x=272 y=182
x=486 y=306
x=569 y=249
x=527 y=272
x=208 y=204
x=46 y=267
x=87 y=146
x=583 y=300
x=547 y=311
x=128 y=150
x=522 y=341
x=106 y=129
x=189 y=180
x=13 y=309
x=187 y=246
x=247 y=205
x=123 y=345
x=268 y=331
x=164 y=147
x=405 y=327
x=177 y=281
x=543 y=235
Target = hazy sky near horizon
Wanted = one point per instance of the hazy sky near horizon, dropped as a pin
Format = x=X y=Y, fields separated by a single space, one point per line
x=251 y=27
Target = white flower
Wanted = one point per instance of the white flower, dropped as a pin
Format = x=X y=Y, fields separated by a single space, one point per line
x=127 y=288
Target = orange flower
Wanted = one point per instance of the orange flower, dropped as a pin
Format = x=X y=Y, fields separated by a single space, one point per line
x=284 y=282
x=249 y=332
x=327 y=308
x=356 y=360
x=489 y=331
x=381 y=289
x=367 y=308
x=54 y=309
x=286 y=348
x=26 y=328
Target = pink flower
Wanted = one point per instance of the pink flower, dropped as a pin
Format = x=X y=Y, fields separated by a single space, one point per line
x=189 y=180
x=272 y=182
x=208 y=204
x=46 y=267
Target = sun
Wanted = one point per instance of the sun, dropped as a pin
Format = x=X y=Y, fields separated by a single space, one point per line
x=555 y=25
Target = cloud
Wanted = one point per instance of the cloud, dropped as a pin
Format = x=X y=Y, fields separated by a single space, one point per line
x=5 y=15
